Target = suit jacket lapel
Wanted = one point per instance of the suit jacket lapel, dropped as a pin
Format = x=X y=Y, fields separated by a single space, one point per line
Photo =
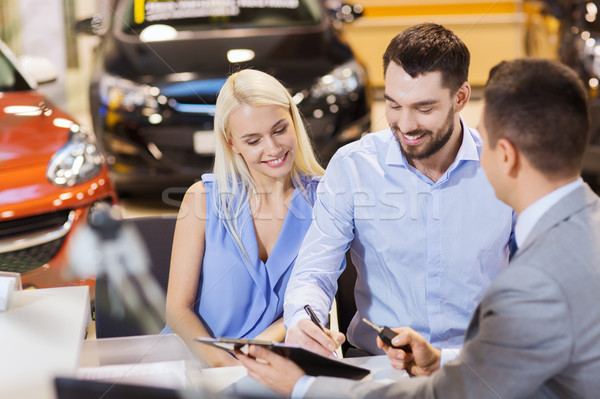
x=473 y=327
x=563 y=209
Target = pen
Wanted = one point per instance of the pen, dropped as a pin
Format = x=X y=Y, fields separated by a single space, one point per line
x=315 y=320
x=386 y=334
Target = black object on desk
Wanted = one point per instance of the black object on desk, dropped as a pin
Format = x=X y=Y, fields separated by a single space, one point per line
x=73 y=388
x=387 y=334
x=311 y=363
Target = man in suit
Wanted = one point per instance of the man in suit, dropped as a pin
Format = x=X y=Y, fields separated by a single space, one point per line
x=536 y=332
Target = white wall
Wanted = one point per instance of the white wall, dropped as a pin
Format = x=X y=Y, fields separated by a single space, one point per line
x=42 y=34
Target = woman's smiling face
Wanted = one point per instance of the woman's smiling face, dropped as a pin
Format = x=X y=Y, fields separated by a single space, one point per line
x=266 y=138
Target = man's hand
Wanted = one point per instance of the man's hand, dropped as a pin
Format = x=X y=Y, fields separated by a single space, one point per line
x=273 y=371
x=308 y=335
x=423 y=360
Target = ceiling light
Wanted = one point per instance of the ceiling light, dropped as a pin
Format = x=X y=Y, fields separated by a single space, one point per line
x=240 y=55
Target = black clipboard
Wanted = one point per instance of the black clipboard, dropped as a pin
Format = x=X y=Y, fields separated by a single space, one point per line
x=310 y=362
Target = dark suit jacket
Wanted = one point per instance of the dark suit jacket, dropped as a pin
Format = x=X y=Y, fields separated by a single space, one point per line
x=536 y=332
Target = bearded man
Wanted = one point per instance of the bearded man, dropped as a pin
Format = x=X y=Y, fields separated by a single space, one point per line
x=426 y=233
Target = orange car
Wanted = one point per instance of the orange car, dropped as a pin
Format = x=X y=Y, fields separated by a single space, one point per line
x=51 y=175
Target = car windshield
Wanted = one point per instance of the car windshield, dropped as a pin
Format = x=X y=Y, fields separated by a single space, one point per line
x=197 y=15
x=10 y=78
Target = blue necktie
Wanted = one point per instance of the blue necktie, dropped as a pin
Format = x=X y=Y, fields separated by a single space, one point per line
x=512 y=246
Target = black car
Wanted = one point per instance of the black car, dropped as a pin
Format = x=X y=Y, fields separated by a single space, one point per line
x=162 y=63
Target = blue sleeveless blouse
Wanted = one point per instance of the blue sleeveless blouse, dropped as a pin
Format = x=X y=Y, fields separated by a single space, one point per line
x=241 y=296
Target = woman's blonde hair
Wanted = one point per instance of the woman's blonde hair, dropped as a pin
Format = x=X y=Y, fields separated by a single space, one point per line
x=235 y=184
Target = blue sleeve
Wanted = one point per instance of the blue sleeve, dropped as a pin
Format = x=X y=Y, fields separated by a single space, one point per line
x=322 y=256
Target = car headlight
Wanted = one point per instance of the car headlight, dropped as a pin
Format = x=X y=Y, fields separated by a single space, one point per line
x=79 y=160
x=343 y=80
x=118 y=93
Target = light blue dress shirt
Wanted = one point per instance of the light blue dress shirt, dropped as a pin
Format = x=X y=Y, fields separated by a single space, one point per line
x=240 y=296
x=425 y=251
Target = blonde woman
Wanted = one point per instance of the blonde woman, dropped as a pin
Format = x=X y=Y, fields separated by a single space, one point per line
x=239 y=230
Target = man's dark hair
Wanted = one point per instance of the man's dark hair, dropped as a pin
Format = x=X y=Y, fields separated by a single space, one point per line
x=430 y=48
x=540 y=106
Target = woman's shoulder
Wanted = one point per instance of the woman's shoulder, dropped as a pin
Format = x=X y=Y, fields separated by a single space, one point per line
x=207 y=181
x=202 y=186
x=209 y=178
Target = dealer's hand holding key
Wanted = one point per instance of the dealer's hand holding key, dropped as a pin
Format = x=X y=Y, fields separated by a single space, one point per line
x=387 y=335
x=407 y=349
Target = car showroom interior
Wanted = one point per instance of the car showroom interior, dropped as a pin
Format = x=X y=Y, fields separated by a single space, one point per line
x=146 y=181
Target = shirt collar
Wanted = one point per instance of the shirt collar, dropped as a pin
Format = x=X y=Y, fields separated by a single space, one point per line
x=529 y=217
x=394 y=156
x=469 y=149
x=471 y=144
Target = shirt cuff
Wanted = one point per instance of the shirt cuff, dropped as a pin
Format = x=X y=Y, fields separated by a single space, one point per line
x=295 y=319
x=302 y=386
x=448 y=355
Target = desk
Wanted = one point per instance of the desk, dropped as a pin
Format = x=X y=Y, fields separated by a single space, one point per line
x=40 y=337
x=235 y=380
x=152 y=360
x=165 y=361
